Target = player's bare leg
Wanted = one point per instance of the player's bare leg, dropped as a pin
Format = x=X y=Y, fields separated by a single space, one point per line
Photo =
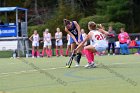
x=56 y=51
x=33 y=51
x=43 y=50
x=38 y=52
x=49 y=51
x=61 y=50
x=67 y=50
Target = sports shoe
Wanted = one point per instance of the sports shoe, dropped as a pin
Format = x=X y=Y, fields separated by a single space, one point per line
x=88 y=65
x=113 y=54
x=77 y=65
x=108 y=54
x=33 y=57
x=93 y=66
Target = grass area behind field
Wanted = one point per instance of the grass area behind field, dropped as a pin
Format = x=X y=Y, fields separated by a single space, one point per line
x=7 y=54
x=114 y=74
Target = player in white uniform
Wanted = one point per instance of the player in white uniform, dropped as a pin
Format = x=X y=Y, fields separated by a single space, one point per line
x=35 y=43
x=98 y=43
x=84 y=36
x=68 y=45
x=102 y=52
x=47 y=43
x=58 y=42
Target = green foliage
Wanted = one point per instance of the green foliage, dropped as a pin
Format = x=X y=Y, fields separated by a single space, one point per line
x=52 y=12
x=100 y=20
x=97 y=19
x=65 y=10
x=116 y=26
x=3 y=18
x=39 y=28
x=117 y=11
x=6 y=54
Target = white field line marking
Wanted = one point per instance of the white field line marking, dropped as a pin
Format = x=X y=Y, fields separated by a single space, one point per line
x=119 y=63
x=29 y=71
x=13 y=63
x=4 y=73
x=127 y=63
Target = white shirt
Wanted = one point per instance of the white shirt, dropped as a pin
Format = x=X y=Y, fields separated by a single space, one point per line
x=97 y=36
x=84 y=36
x=58 y=35
x=47 y=36
x=35 y=38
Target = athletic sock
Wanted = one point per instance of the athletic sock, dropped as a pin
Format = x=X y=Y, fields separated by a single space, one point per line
x=47 y=52
x=37 y=53
x=67 y=52
x=89 y=56
x=33 y=52
x=56 y=51
x=78 y=57
x=61 y=52
x=43 y=52
x=83 y=52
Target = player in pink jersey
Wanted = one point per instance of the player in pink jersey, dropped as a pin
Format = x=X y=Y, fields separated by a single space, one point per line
x=123 y=39
x=35 y=43
x=97 y=36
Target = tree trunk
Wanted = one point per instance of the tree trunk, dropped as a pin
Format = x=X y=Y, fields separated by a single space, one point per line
x=36 y=10
x=72 y=5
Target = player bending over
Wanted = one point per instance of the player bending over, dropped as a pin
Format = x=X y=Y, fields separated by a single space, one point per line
x=99 y=44
x=73 y=29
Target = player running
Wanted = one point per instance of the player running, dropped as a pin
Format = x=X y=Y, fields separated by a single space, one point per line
x=99 y=44
x=58 y=42
x=73 y=29
x=47 y=43
x=35 y=43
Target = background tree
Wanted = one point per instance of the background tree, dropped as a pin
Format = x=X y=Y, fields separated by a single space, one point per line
x=117 y=11
x=50 y=13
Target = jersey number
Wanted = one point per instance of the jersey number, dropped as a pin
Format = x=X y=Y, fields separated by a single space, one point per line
x=74 y=32
x=99 y=37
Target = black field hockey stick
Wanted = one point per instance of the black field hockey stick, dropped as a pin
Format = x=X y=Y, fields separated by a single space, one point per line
x=69 y=63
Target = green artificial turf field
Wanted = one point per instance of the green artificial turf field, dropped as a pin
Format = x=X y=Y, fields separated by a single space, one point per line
x=114 y=74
